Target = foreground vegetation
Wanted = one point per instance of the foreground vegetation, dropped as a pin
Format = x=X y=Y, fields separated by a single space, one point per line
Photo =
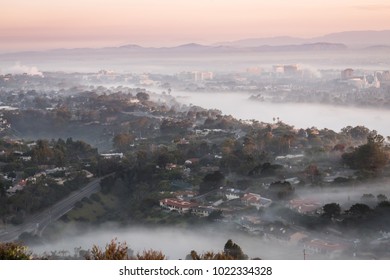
x=116 y=250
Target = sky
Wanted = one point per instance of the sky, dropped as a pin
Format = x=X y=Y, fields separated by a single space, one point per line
x=47 y=24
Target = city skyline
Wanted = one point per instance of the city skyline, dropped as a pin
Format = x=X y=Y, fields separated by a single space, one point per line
x=43 y=24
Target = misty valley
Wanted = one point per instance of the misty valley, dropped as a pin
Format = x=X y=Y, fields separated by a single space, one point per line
x=253 y=154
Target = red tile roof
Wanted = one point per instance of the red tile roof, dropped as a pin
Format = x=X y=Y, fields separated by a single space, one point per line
x=178 y=203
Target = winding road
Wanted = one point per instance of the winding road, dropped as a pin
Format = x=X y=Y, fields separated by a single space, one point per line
x=36 y=223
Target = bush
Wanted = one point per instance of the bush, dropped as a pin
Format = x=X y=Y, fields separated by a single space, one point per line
x=151 y=255
x=14 y=251
x=113 y=251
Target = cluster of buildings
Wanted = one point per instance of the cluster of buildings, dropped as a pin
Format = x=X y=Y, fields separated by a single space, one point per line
x=374 y=80
x=275 y=231
x=288 y=70
x=195 y=205
x=19 y=185
x=196 y=76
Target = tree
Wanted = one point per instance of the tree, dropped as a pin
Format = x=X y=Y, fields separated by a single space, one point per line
x=41 y=153
x=231 y=251
x=215 y=215
x=234 y=250
x=122 y=141
x=281 y=190
x=367 y=198
x=142 y=96
x=383 y=205
x=209 y=255
x=113 y=251
x=359 y=209
x=142 y=157
x=331 y=210
x=14 y=251
x=356 y=133
x=211 y=182
x=381 y=197
x=285 y=142
x=370 y=157
x=313 y=174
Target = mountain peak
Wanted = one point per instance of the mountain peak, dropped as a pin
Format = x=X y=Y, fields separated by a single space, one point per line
x=191 y=46
x=130 y=46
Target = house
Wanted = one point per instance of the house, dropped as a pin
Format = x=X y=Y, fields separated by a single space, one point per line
x=278 y=231
x=173 y=204
x=255 y=200
x=14 y=189
x=183 y=141
x=185 y=194
x=192 y=161
x=112 y=155
x=252 y=224
x=173 y=166
x=203 y=211
x=233 y=194
x=305 y=206
x=25 y=158
x=289 y=159
x=18 y=187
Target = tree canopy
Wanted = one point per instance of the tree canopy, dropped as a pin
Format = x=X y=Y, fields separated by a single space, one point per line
x=371 y=156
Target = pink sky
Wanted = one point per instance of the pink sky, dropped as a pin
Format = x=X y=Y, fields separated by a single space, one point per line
x=45 y=24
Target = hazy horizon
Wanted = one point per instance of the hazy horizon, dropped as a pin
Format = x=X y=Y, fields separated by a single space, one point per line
x=43 y=24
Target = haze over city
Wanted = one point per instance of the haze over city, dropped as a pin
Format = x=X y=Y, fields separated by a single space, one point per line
x=43 y=24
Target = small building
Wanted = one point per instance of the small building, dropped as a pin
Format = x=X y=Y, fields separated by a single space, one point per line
x=203 y=211
x=305 y=206
x=192 y=161
x=173 y=204
x=233 y=194
x=25 y=158
x=18 y=187
x=347 y=74
x=289 y=158
x=185 y=194
x=256 y=200
x=112 y=155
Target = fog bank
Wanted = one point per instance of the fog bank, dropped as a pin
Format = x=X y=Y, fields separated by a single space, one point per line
x=299 y=115
x=174 y=242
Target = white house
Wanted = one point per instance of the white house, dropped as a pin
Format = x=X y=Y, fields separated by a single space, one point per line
x=173 y=204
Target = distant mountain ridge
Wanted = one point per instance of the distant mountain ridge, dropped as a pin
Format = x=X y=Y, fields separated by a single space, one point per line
x=321 y=46
x=198 y=48
x=364 y=40
x=354 y=39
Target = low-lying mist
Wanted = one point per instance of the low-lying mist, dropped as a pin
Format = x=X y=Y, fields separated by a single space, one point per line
x=173 y=241
x=343 y=194
x=299 y=115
